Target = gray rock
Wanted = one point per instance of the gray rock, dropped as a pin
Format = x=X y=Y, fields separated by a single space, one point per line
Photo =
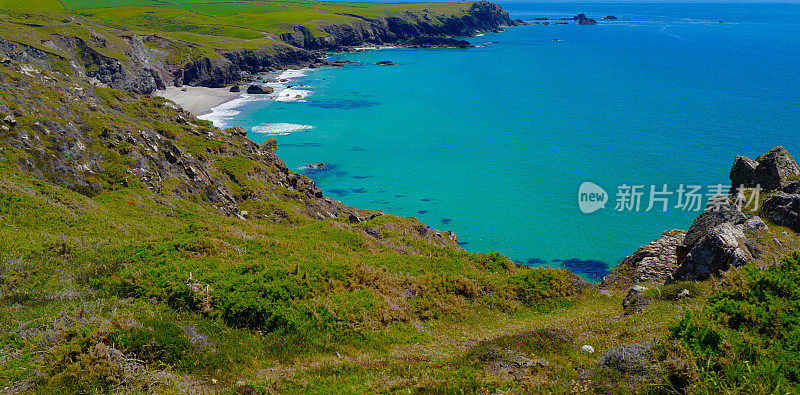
x=259 y=90
x=771 y=170
x=9 y=119
x=706 y=222
x=635 y=301
x=722 y=248
x=655 y=261
x=270 y=144
x=755 y=223
x=629 y=358
x=236 y=88
x=783 y=209
x=684 y=294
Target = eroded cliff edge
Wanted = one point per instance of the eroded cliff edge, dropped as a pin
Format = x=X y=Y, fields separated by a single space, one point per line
x=136 y=61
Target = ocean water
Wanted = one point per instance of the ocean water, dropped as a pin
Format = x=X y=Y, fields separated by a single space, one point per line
x=494 y=142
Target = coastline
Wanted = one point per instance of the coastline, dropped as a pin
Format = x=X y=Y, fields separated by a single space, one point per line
x=198 y=100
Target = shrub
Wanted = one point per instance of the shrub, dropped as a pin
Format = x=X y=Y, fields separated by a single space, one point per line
x=748 y=336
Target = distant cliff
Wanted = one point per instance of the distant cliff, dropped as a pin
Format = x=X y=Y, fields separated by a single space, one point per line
x=142 y=63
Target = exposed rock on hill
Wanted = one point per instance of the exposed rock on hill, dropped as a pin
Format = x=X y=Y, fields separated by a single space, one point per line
x=771 y=170
x=723 y=236
x=655 y=261
x=783 y=209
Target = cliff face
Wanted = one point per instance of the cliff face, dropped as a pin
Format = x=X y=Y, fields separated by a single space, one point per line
x=481 y=17
x=305 y=48
x=143 y=63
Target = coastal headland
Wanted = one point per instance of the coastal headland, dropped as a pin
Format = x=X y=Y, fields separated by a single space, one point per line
x=145 y=250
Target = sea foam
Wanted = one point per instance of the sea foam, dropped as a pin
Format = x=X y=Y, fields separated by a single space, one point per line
x=279 y=129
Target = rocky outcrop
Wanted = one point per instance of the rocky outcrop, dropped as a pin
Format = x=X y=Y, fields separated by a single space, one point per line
x=260 y=90
x=635 y=300
x=653 y=262
x=783 y=209
x=770 y=171
x=724 y=247
x=722 y=236
x=629 y=358
x=584 y=20
x=436 y=42
x=705 y=223
x=482 y=16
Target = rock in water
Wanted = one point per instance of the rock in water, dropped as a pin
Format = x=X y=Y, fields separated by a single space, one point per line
x=584 y=20
x=655 y=261
x=771 y=170
x=386 y=63
x=259 y=90
x=610 y=17
x=783 y=209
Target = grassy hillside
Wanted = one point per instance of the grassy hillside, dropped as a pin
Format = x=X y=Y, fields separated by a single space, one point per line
x=143 y=250
x=228 y=24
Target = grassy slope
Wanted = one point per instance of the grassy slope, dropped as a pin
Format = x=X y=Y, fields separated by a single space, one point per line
x=222 y=24
x=290 y=304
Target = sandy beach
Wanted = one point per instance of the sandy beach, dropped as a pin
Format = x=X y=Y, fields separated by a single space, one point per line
x=196 y=99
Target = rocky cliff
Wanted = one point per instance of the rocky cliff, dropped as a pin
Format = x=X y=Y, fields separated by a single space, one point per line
x=142 y=63
x=729 y=233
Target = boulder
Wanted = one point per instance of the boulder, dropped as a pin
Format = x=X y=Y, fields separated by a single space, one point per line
x=771 y=170
x=315 y=166
x=236 y=88
x=386 y=63
x=587 y=349
x=724 y=247
x=655 y=261
x=270 y=144
x=584 y=20
x=239 y=131
x=635 y=301
x=629 y=358
x=783 y=209
x=706 y=222
x=259 y=90
x=610 y=17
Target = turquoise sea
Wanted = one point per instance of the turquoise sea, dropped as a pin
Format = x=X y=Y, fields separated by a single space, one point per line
x=493 y=142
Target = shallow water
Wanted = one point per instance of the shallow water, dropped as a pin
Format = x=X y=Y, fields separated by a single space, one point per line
x=494 y=142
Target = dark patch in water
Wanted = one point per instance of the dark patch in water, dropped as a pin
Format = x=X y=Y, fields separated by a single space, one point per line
x=358 y=190
x=422 y=212
x=356 y=149
x=463 y=243
x=425 y=200
x=343 y=104
x=589 y=269
x=340 y=173
x=399 y=196
x=338 y=192
x=318 y=174
x=446 y=220
x=301 y=145
x=362 y=177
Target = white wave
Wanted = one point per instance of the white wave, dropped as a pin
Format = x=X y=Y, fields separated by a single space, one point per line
x=290 y=94
x=279 y=129
x=220 y=114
